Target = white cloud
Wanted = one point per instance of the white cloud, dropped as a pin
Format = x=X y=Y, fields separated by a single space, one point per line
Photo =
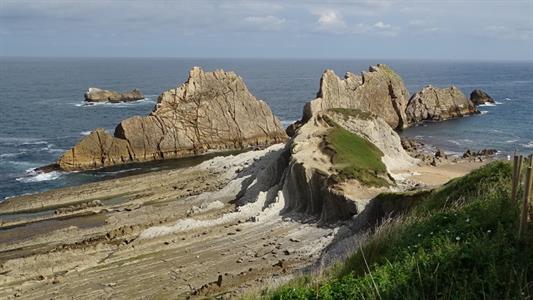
x=381 y=25
x=331 y=21
x=265 y=22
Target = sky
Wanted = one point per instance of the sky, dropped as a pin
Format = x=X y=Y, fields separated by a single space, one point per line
x=394 y=29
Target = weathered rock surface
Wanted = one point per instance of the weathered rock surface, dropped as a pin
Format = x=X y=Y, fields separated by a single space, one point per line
x=438 y=104
x=380 y=91
x=479 y=97
x=99 y=95
x=211 y=111
x=309 y=186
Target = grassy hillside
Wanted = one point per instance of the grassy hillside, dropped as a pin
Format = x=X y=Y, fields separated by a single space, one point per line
x=460 y=242
x=355 y=157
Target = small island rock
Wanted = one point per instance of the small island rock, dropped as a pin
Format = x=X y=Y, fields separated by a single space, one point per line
x=438 y=104
x=479 y=97
x=99 y=95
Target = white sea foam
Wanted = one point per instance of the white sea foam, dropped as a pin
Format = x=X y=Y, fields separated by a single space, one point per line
x=85 y=132
x=286 y=123
x=120 y=171
x=454 y=142
x=115 y=104
x=512 y=141
x=486 y=104
x=34 y=176
x=11 y=155
x=528 y=145
x=21 y=141
x=484 y=112
x=507 y=99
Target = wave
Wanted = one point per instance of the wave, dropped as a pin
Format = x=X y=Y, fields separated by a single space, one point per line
x=486 y=104
x=286 y=123
x=507 y=99
x=12 y=155
x=9 y=197
x=120 y=171
x=528 y=145
x=115 y=104
x=497 y=102
x=511 y=141
x=85 y=132
x=484 y=112
x=21 y=141
x=34 y=176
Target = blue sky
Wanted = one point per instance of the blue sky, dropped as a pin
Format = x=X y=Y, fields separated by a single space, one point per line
x=469 y=29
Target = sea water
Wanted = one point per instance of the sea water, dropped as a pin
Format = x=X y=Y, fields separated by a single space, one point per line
x=43 y=114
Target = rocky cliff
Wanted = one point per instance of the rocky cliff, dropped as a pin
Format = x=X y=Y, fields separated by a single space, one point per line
x=210 y=111
x=380 y=91
x=438 y=104
x=99 y=95
x=314 y=183
x=479 y=97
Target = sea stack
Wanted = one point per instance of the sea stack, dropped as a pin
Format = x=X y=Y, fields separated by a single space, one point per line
x=211 y=111
x=379 y=90
x=99 y=95
x=438 y=104
x=479 y=97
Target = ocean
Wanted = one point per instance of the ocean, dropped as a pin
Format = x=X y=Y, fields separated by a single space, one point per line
x=42 y=111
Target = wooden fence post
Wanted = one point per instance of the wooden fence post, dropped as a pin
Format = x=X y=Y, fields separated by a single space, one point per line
x=514 y=179
x=525 y=205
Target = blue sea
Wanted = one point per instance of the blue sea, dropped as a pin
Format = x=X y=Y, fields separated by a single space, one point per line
x=42 y=112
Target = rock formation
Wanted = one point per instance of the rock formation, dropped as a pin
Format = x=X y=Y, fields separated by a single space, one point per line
x=99 y=95
x=312 y=185
x=438 y=104
x=211 y=111
x=380 y=91
x=479 y=97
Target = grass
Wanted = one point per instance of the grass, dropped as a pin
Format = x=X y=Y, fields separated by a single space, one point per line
x=356 y=113
x=458 y=242
x=356 y=158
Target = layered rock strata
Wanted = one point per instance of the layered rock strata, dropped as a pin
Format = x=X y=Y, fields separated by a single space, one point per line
x=310 y=184
x=438 y=104
x=99 y=95
x=211 y=111
x=380 y=91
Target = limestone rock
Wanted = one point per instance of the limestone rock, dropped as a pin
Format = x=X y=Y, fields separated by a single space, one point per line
x=211 y=111
x=380 y=91
x=479 y=97
x=309 y=184
x=99 y=95
x=438 y=104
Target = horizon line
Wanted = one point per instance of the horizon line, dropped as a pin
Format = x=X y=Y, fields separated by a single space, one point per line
x=272 y=58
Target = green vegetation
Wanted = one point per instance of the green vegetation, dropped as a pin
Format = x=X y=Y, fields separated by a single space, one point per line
x=356 y=158
x=356 y=113
x=458 y=242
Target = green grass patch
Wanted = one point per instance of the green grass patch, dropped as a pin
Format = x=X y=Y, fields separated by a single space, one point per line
x=355 y=113
x=356 y=158
x=459 y=242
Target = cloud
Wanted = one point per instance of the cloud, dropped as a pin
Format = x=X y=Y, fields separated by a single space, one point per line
x=331 y=21
x=381 y=25
x=266 y=23
x=508 y=33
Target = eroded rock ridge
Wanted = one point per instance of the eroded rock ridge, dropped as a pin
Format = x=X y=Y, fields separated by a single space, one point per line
x=438 y=104
x=99 y=95
x=211 y=111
